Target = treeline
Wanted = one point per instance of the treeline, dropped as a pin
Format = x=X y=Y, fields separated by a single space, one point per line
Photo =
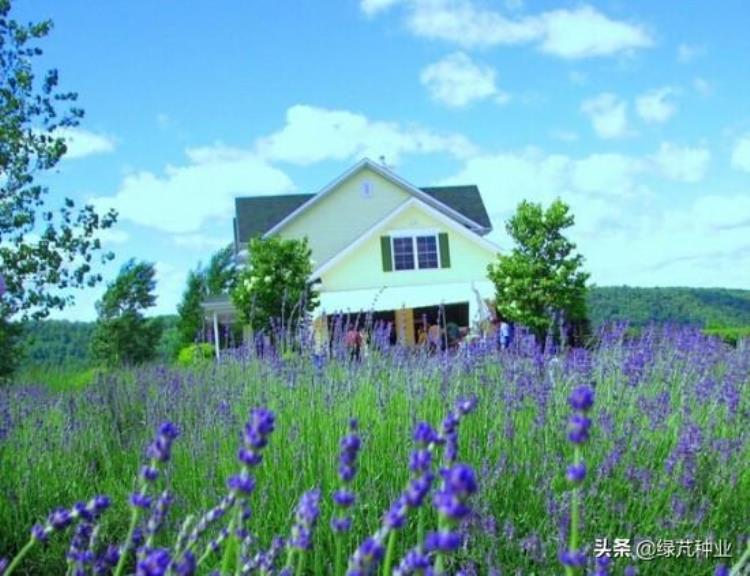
x=51 y=343
x=704 y=307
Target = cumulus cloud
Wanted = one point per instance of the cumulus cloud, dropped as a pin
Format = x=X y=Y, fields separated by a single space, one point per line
x=82 y=143
x=313 y=134
x=625 y=237
x=457 y=81
x=608 y=114
x=182 y=198
x=582 y=32
x=682 y=163
x=741 y=153
x=655 y=107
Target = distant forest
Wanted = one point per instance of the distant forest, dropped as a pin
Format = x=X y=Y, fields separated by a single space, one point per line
x=60 y=342
x=704 y=307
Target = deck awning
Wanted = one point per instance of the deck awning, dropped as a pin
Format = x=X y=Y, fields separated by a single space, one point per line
x=398 y=297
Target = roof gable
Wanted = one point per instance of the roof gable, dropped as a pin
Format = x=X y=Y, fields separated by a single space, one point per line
x=260 y=215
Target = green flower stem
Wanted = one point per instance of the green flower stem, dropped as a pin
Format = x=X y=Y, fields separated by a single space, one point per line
x=741 y=562
x=20 y=556
x=228 y=559
x=574 y=513
x=134 y=517
x=339 y=567
x=389 y=552
x=300 y=563
x=443 y=525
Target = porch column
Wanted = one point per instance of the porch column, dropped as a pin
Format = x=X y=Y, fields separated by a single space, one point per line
x=216 y=335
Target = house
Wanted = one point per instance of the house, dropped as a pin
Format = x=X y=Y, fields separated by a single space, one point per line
x=381 y=245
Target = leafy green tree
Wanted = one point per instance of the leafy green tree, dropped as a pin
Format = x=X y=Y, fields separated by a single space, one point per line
x=221 y=272
x=33 y=113
x=275 y=284
x=123 y=336
x=219 y=277
x=189 y=309
x=540 y=282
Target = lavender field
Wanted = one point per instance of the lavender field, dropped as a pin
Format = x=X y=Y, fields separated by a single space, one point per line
x=666 y=453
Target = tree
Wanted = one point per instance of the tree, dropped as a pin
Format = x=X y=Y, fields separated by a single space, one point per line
x=540 y=283
x=275 y=285
x=221 y=273
x=123 y=336
x=189 y=309
x=43 y=251
x=219 y=277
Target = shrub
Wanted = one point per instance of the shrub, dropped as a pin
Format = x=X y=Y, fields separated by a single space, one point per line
x=195 y=354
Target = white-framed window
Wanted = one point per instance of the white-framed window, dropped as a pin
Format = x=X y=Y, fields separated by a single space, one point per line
x=417 y=250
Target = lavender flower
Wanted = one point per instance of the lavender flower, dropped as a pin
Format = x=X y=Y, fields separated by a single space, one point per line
x=344 y=498
x=306 y=516
x=581 y=400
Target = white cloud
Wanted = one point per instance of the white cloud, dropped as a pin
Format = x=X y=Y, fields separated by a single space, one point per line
x=582 y=32
x=183 y=198
x=689 y=52
x=82 y=143
x=606 y=174
x=741 y=154
x=625 y=237
x=457 y=81
x=608 y=115
x=314 y=134
x=682 y=163
x=655 y=107
x=373 y=7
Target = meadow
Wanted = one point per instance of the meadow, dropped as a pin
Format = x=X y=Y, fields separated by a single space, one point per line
x=667 y=458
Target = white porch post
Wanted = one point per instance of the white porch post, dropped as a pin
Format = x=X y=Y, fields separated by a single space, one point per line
x=216 y=334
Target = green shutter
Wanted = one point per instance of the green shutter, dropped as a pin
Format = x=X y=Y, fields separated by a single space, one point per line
x=385 y=250
x=445 y=251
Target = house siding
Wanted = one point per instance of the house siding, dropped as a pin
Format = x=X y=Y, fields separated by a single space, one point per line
x=363 y=268
x=332 y=223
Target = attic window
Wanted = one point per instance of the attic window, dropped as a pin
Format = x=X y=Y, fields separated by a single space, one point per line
x=367 y=189
x=415 y=251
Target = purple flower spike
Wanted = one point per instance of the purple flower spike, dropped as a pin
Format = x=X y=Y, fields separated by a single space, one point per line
x=442 y=542
x=140 y=500
x=39 y=533
x=344 y=498
x=578 y=429
x=581 y=398
x=60 y=519
x=576 y=473
x=306 y=515
x=241 y=482
x=466 y=405
x=343 y=524
x=424 y=434
x=630 y=571
x=155 y=563
x=721 y=570
x=573 y=558
x=460 y=480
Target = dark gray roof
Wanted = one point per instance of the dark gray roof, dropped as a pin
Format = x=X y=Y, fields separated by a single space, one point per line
x=465 y=200
x=255 y=215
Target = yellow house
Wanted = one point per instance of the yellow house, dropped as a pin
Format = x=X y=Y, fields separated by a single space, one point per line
x=383 y=247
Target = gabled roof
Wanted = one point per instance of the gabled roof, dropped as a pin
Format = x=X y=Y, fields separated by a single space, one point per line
x=258 y=215
x=464 y=199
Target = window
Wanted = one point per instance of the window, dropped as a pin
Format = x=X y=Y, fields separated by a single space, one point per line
x=415 y=252
x=427 y=253
x=403 y=253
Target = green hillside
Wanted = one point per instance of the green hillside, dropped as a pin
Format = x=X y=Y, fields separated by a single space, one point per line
x=705 y=307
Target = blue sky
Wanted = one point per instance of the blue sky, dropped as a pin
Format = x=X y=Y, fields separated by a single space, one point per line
x=635 y=113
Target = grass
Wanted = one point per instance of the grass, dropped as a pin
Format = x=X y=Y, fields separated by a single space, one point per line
x=645 y=478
